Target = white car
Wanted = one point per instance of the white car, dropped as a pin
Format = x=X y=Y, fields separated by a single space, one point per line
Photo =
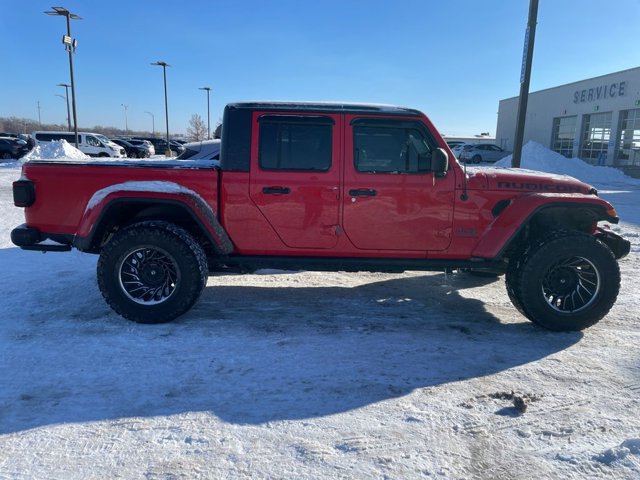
x=482 y=153
x=205 y=150
x=457 y=149
x=92 y=144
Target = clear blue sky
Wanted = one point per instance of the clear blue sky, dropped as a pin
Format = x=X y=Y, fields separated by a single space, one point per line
x=452 y=59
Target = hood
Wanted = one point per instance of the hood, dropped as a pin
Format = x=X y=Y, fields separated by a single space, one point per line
x=522 y=180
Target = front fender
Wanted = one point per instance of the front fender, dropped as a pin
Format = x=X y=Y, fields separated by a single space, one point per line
x=505 y=227
x=151 y=192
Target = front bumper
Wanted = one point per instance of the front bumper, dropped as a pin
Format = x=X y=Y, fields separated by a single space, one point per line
x=618 y=245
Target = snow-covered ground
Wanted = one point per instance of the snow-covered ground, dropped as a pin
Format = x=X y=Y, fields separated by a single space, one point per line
x=315 y=375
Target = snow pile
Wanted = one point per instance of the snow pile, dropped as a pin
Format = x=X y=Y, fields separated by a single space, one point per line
x=537 y=157
x=54 y=150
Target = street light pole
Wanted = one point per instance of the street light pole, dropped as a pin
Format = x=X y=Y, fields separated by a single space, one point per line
x=164 y=66
x=153 y=123
x=208 y=89
x=63 y=98
x=525 y=76
x=70 y=45
x=66 y=94
x=126 y=122
x=39 y=120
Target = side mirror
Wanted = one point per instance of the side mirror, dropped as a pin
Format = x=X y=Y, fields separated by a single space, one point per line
x=439 y=162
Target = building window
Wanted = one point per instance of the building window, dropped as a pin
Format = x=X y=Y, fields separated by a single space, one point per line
x=564 y=135
x=595 y=138
x=629 y=144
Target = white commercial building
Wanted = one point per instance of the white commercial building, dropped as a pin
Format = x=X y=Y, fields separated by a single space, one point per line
x=597 y=120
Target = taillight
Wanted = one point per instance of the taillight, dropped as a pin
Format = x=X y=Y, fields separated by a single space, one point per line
x=24 y=193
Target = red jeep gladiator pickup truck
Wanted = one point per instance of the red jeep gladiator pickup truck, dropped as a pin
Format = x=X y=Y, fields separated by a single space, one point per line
x=324 y=187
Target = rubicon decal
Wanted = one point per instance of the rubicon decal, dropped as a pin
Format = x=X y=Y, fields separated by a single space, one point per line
x=540 y=187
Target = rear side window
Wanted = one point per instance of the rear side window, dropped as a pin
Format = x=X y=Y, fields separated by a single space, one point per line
x=50 y=137
x=295 y=143
x=390 y=149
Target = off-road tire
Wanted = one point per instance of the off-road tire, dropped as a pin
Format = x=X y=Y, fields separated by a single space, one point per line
x=567 y=281
x=152 y=248
x=512 y=282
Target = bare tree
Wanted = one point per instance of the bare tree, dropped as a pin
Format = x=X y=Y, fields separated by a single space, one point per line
x=197 y=130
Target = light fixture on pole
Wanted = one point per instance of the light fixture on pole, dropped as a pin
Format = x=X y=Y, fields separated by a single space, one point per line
x=70 y=45
x=164 y=66
x=66 y=94
x=126 y=122
x=208 y=89
x=153 y=123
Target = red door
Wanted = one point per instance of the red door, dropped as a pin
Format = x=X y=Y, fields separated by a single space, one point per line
x=295 y=176
x=391 y=201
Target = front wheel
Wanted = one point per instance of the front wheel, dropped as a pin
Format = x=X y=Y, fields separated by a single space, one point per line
x=567 y=282
x=152 y=272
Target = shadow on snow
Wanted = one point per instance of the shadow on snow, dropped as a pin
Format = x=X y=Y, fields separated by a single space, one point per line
x=247 y=355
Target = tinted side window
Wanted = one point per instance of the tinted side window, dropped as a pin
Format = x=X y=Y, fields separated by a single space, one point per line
x=50 y=137
x=295 y=146
x=390 y=150
x=93 y=141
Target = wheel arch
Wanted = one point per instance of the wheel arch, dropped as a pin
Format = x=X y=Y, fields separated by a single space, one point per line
x=121 y=212
x=509 y=232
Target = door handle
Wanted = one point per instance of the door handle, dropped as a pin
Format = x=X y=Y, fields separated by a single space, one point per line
x=363 y=192
x=276 y=190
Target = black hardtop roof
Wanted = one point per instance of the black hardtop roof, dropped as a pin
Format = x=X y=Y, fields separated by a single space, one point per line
x=327 y=107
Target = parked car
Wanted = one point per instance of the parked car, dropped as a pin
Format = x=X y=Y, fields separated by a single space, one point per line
x=205 y=150
x=454 y=143
x=332 y=187
x=457 y=149
x=142 y=143
x=482 y=153
x=160 y=145
x=92 y=144
x=12 y=147
x=133 y=151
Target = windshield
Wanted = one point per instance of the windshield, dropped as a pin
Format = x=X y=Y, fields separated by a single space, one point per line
x=188 y=153
x=102 y=138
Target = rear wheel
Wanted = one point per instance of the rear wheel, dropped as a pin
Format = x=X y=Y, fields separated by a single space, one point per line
x=567 y=282
x=476 y=159
x=152 y=272
x=6 y=156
